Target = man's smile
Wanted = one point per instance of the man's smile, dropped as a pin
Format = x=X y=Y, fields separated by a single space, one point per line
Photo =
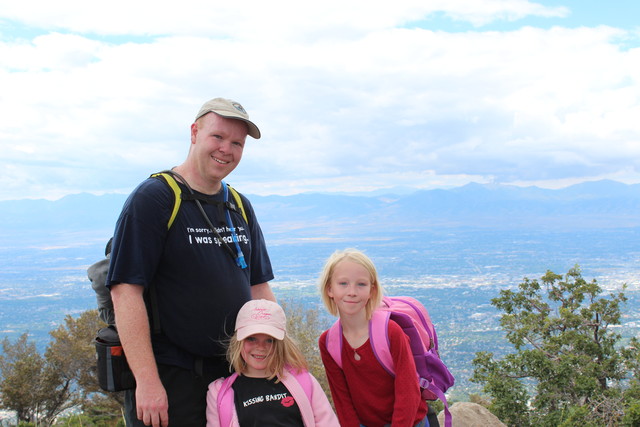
x=222 y=162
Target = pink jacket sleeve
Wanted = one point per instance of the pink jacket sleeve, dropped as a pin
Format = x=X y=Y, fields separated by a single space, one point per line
x=322 y=410
x=213 y=418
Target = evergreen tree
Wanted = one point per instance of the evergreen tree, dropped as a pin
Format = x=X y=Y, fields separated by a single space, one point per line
x=40 y=388
x=567 y=355
x=21 y=368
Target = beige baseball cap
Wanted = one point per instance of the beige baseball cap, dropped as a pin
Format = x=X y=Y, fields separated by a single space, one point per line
x=231 y=110
x=261 y=316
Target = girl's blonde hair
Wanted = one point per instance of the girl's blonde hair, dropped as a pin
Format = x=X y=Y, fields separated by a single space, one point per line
x=284 y=352
x=353 y=255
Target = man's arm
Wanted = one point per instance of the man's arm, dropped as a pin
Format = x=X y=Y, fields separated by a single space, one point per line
x=133 y=327
x=262 y=291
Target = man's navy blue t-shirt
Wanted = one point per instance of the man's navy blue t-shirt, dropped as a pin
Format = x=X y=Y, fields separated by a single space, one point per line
x=199 y=287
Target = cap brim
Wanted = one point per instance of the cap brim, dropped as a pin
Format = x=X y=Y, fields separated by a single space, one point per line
x=247 y=331
x=254 y=132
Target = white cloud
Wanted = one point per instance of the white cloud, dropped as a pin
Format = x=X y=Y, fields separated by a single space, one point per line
x=483 y=12
x=259 y=20
x=352 y=100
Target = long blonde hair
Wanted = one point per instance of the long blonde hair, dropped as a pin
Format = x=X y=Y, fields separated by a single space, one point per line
x=284 y=352
x=358 y=257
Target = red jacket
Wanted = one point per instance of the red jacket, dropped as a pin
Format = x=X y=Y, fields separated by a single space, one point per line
x=364 y=393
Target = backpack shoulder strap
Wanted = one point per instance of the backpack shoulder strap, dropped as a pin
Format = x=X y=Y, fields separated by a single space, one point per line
x=379 y=339
x=177 y=191
x=171 y=181
x=225 y=401
x=334 y=342
x=238 y=200
x=167 y=176
x=304 y=378
x=301 y=389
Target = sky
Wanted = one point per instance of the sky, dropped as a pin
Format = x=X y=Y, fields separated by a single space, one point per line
x=350 y=95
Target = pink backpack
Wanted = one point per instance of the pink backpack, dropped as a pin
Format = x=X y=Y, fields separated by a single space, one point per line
x=433 y=376
x=225 y=400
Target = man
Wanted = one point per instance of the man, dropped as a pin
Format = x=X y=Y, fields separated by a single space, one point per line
x=185 y=277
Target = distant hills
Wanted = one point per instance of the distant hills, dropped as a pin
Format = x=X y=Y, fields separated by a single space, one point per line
x=597 y=204
x=452 y=249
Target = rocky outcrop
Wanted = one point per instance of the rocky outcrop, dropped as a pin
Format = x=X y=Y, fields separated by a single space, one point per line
x=467 y=414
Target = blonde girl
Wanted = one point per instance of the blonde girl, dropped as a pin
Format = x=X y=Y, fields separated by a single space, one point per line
x=271 y=385
x=364 y=393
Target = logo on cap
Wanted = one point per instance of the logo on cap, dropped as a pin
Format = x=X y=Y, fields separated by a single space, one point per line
x=238 y=107
x=261 y=314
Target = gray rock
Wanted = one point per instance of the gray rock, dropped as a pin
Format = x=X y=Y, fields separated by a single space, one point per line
x=467 y=414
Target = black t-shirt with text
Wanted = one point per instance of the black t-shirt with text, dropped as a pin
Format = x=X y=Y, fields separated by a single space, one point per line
x=198 y=287
x=263 y=402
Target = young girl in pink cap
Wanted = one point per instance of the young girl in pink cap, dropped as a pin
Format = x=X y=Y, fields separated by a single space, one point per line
x=271 y=385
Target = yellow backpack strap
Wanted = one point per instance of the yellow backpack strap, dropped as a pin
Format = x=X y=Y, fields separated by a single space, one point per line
x=238 y=199
x=176 y=191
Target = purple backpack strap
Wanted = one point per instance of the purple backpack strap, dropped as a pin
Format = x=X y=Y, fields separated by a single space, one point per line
x=225 y=401
x=334 y=342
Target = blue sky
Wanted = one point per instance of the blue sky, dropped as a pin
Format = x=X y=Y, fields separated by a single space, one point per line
x=568 y=14
x=350 y=95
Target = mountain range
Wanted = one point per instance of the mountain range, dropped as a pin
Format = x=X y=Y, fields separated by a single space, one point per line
x=598 y=204
x=452 y=249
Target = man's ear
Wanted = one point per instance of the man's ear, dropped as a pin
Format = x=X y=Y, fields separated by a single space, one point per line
x=194 y=132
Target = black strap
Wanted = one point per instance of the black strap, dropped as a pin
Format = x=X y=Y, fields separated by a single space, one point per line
x=208 y=200
x=153 y=297
x=155 y=309
x=193 y=196
x=198 y=366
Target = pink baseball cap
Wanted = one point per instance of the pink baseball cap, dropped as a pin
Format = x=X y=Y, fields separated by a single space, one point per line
x=261 y=316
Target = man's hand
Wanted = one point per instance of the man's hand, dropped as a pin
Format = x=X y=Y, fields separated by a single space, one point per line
x=152 y=405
